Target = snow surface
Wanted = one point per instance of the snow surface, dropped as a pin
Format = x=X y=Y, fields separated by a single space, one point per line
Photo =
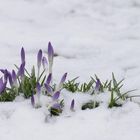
x=89 y=36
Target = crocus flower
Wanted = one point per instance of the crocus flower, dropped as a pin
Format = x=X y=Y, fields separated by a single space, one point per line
x=22 y=55
x=72 y=105
x=33 y=100
x=56 y=95
x=63 y=79
x=50 y=56
x=49 y=79
x=44 y=63
x=2 y=85
x=98 y=85
x=48 y=88
x=39 y=59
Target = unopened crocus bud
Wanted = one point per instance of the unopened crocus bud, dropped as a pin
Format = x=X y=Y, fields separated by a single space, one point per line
x=98 y=85
x=49 y=79
x=72 y=105
x=22 y=55
x=63 y=79
x=56 y=95
x=39 y=59
x=50 y=56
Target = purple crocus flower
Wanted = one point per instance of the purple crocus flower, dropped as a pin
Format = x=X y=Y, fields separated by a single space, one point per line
x=56 y=95
x=2 y=85
x=44 y=62
x=50 y=53
x=48 y=88
x=98 y=85
x=39 y=58
x=49 y=79
x=22 y=55
x=63 y=79
x=72 y=105
x=33 y=100
x=50 y=56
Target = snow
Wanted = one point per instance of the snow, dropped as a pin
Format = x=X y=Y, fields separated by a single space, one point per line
x=90 y=37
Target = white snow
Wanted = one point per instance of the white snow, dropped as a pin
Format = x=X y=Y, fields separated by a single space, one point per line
x=90 y=37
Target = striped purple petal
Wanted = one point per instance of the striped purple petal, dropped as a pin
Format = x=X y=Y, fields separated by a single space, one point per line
x=56 y=95
x=44 y=62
